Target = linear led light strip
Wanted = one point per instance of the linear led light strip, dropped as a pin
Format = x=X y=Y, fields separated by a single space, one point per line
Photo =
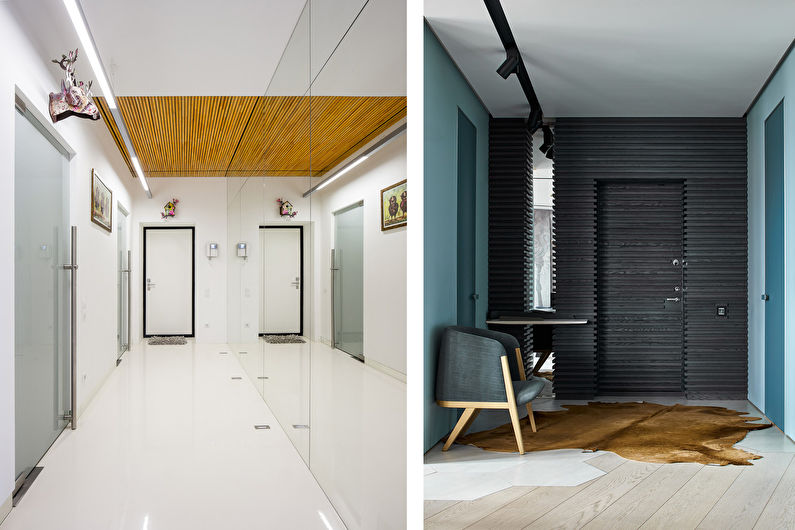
x=358 y=160
x=75 y=10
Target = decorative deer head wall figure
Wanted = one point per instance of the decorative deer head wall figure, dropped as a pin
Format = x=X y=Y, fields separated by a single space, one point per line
x=74 y=99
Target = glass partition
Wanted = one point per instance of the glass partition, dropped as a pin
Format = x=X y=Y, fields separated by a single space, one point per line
x=348 y=280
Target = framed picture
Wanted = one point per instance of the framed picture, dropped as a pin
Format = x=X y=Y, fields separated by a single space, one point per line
x=393 y=206
x=101 y=203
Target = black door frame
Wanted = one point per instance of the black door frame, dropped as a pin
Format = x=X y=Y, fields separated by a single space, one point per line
x=193 y=280
x=301 y=243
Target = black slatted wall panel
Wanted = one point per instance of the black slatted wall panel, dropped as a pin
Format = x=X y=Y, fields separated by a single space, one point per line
x=709 y=156
x=511 y=224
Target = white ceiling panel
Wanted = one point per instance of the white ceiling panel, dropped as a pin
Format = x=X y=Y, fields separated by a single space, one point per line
x=621 y=57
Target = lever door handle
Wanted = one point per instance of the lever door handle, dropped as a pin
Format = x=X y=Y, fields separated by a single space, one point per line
x=677 y=299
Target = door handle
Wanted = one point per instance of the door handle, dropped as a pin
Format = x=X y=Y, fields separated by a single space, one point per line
x=765 y=297
x=677 y=299
x=149 y=284
x=72 y=267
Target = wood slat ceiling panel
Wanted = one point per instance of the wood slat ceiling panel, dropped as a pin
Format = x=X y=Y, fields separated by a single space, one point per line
x=276 y=141
x=341 y=125
x=179 y=136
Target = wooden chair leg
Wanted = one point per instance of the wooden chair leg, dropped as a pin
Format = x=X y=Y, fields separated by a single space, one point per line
x=460 y=428
x=517 y=427
x=530 y=416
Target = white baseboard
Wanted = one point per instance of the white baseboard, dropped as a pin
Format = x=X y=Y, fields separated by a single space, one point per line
x=400 y=376
x=5 y=508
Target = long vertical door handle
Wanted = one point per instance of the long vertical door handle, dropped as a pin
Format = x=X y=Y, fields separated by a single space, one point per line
x=72 y=267
x=129 y=297
x=333 y=323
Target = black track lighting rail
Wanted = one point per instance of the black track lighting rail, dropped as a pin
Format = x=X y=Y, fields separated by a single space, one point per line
x=513 y=63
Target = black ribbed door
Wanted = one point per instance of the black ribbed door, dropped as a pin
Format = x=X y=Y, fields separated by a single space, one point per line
x=639 y=287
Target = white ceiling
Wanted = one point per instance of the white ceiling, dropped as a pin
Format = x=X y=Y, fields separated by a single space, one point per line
x=359 y=51
x=621 y=57
x=236 y=47
x=191 y=47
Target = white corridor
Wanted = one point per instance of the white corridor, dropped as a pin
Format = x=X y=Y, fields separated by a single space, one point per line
x=169 y=443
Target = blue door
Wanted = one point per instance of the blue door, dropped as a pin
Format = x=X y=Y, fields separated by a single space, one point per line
x=467 y=297
x=774 y=266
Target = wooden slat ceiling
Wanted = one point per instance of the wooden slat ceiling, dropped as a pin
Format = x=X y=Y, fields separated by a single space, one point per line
x=240 y=136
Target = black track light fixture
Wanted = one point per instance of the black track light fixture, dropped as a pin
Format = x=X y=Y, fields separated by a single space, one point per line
x=535 y=119
x=513 y=63
x=508 y=67
x=549 y=139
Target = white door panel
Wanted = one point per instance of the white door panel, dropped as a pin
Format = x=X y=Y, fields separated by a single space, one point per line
x=280 y=303
x=168 y=290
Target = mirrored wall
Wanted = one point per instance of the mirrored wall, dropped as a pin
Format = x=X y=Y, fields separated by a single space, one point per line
x=297 y=229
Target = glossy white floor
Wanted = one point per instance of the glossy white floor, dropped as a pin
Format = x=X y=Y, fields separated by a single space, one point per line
x=169 y=443
x=356 y=443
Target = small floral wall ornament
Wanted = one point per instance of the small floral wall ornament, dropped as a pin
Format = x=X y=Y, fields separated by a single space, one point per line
x=170 y=209
x=286 y=209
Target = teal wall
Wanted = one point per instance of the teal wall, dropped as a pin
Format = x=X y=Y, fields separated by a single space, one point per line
x=447 y=91
x=781 y=87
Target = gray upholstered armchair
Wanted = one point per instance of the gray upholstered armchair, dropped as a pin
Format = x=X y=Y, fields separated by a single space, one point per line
x=482 y=369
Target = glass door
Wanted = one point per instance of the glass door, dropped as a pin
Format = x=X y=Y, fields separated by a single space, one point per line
x=348 y=270
x=41 y=291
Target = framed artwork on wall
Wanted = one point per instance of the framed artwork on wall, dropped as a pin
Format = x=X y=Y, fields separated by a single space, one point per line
x=101 y=203
x=393 y=206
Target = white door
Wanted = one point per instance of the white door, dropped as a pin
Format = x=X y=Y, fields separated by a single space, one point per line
x=168 y=281
x=280 y=303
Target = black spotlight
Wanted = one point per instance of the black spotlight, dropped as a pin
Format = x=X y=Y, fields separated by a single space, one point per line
x=549 y=139
x=508 y=67
x=534 y=120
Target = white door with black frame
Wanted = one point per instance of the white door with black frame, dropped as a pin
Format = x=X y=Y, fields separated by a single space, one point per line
x=281 y=300
x=169 y=281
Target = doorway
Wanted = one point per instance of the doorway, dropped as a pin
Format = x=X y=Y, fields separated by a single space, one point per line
x=42 y=293
x=465 y=277
x=348 y=280
x=282 y=292
x=169 y=281
x=640 y=291
x=774 y=266
x=123 y=281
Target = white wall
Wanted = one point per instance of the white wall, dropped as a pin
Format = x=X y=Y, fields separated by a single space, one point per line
x=224 y=211
x=25 y=67
x=384 y=257
x=252 y=202
x=202 y=204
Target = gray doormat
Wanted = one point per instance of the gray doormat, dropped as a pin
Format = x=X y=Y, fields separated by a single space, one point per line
x=161 y=341
x=283 y=339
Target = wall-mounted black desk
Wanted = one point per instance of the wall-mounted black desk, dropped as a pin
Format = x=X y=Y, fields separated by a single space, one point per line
x=537 y=321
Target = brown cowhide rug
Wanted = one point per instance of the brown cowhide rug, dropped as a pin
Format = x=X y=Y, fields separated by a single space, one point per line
x=647 y=432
